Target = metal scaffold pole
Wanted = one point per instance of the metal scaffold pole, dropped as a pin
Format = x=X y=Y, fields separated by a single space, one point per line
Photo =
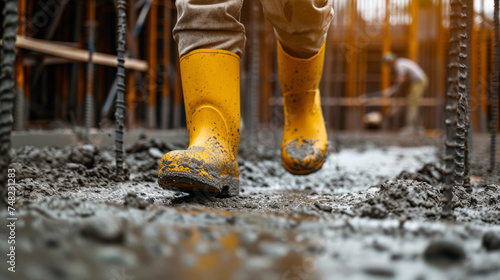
x=494 y=93
x=120 y=82
x=7 y=89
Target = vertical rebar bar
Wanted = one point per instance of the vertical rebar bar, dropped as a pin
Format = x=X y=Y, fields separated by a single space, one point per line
x=494 y=93
x=89 y=97
x=462 y=125
x=458 y=90
x=19 y=110
x=468 y=139
x=7 y=89
x=455 y=69
x=254 y=79
x=120 y=84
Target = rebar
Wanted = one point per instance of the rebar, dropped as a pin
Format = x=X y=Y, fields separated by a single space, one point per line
x=120 y=82
x=89 y=97
x=254 y=80
x=462 y=113
x=457 y=119
x=7 y=89
x=494 y=93
x=451 y=107
x=19 y=110
x=468 y=140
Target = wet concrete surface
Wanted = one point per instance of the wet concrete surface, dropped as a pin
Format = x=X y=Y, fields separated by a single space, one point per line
x=372 y=212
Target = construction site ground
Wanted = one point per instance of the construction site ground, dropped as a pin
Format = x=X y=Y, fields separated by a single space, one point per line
x=372 y=212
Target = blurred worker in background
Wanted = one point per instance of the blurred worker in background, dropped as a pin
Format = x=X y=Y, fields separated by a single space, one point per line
x=410 y=75
x=211 y=40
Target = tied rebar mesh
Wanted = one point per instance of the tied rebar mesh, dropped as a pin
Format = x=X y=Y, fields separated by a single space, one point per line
x=457 y=118
x=120 y=83
x=494 y=93
x=7 y=89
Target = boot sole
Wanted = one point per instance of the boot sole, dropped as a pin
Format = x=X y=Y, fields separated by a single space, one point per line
x=302 y=171
x=226 y=186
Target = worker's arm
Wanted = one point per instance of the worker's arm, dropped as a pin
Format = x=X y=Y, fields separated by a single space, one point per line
x=400 y=81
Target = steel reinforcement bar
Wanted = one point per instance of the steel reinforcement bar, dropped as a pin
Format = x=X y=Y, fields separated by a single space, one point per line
x=7 y=89
x=120 y=82
x=457 y=118
x=494 y=93
x=451 y=106
x=462 y=124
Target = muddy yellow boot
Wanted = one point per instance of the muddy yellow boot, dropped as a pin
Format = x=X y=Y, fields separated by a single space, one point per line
x=211 y=85
x=303 y=149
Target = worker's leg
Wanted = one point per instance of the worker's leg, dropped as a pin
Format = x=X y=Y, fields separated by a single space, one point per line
x=209 y=24
x=301 y=27
x=416 y=91
x=211 y=41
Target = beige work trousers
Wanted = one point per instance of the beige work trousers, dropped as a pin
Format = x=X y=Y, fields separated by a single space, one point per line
x=415 y=93
x=300 y=25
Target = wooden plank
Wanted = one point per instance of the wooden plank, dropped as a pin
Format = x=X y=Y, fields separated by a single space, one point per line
x=76 y=54
x=373 y=102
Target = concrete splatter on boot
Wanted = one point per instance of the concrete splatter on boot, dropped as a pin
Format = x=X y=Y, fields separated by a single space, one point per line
x=303 y=149
x=211 y=84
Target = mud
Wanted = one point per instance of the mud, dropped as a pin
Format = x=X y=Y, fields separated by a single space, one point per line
x=371 y=212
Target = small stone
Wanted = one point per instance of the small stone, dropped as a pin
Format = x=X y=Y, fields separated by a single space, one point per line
x=103 y=228
x=491 y=241
x=73 y=166
x=323 y=207
x=84 y=154
x=380 y=272
x=273 y=249
x=134 y=201
x=248 y=236
x=155 y=153
x=115 y=256
x=15 y=165
x=444 y=253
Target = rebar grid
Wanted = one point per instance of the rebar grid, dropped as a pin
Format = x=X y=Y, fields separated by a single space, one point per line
x=7 y=89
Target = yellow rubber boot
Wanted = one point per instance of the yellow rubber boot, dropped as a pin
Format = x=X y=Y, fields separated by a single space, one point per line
x=303 y=149
x=211 y=85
